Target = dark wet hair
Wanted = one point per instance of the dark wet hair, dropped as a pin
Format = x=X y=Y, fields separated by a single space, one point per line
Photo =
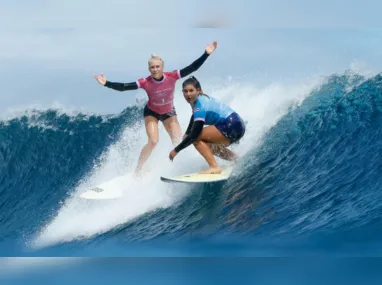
x=195 y=82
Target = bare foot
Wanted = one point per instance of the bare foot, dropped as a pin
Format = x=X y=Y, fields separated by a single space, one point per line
x=140 y=172
x=137 y=175
x=212 y=170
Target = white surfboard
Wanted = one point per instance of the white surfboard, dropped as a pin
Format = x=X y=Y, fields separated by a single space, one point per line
x=112 y=189
x=199 y=178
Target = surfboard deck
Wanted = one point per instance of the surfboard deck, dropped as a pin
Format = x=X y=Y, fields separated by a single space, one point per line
x=112 y=189
x=195 y=177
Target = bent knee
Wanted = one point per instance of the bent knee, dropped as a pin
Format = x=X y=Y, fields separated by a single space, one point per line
x=196 y=142
x=153 y=142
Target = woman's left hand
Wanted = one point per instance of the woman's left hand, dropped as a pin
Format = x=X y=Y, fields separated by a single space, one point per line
x=211 y=47
x=172 y=155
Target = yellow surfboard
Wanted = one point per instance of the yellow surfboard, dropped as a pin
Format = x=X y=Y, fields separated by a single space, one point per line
x=199 y=178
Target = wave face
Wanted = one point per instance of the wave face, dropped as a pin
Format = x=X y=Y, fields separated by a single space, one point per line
x=311 y=182
x=42 y=156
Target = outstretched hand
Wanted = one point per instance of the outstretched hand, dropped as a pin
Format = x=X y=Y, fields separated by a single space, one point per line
x=100 y=78
x=172 y=155
x=211 y=47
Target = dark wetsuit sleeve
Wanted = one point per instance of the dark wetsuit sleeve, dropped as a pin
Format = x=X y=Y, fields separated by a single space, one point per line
x=194 y=66
x=190 y=125
x=197 y=128
x=121 y=86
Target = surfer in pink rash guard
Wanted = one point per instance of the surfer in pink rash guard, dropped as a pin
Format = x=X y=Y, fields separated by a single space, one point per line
x=159 y=86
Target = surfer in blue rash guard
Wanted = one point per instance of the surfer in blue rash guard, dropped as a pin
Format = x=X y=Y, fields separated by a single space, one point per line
x=224 y=127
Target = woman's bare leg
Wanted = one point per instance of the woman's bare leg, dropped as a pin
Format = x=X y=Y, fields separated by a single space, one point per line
x=151 y=124
x=210 y=135
x=172 y=127
x=223 y=152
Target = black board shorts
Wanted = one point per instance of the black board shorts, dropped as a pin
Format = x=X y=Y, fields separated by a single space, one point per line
x=160 y=117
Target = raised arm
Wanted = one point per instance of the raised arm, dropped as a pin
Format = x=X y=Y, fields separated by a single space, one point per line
x=199 y=62
x=122 y=86
x=115 y=85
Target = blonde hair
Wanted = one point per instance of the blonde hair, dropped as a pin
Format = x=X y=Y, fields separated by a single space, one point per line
x=155 y=57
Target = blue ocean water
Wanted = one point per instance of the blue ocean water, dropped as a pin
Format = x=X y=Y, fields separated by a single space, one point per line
x=312 y=188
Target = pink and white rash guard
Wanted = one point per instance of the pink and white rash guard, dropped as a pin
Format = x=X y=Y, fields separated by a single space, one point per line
x=160 y=93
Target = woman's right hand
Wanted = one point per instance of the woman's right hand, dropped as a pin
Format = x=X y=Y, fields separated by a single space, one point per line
x=100 y=78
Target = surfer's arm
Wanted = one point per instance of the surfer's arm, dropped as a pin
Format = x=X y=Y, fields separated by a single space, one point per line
x=190 y=125
x=194 y=66
x=121 y=86
x=197 y=128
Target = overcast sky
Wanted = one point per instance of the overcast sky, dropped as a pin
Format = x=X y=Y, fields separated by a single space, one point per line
x=50 y=49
